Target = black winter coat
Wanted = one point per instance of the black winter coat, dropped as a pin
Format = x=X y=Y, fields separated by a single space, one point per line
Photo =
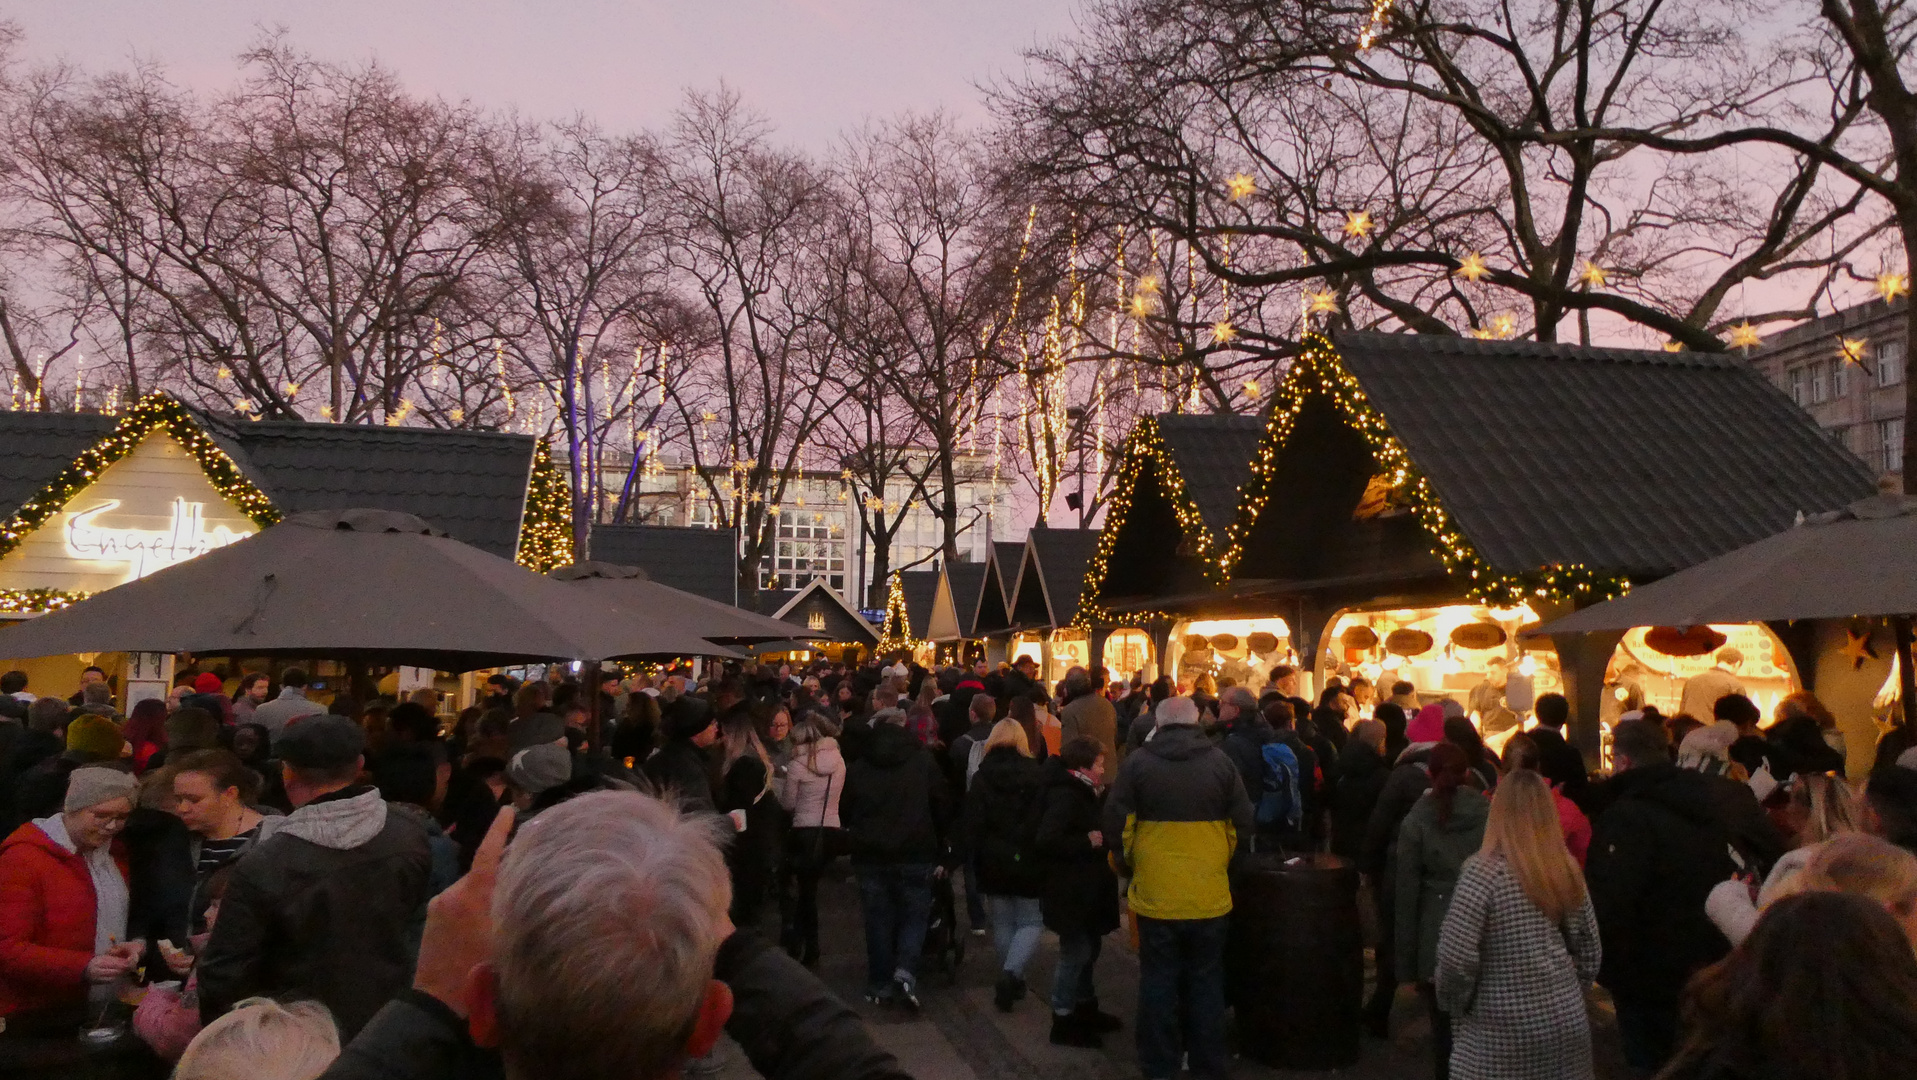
x=682 y=767
x=1244 y=744
x=1001 y=823
x=1081 y=892
x=895 y=807
x=1562 y=764
x=1361 y=779
x=1656 y=853
x=1402 y=786
x=321 y=920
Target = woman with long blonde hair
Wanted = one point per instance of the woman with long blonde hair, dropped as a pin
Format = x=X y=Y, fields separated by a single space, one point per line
x=1002 y=811
x=1821 y=808
x=1518 y=947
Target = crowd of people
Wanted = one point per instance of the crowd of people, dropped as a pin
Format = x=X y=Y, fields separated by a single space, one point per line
x=597 y=880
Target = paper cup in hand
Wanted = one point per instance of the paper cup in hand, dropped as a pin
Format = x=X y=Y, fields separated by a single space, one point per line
x=738 y=819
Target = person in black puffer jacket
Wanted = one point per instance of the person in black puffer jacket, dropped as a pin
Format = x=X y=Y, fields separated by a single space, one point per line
x=1656 y=853
x=1001 y=830
x=1361 y=779
x=895 y=809
x=1080 y=900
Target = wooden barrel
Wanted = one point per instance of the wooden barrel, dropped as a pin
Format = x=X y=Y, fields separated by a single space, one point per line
x=1295 y=962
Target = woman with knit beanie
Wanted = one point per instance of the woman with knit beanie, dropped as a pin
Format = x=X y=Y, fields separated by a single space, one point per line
x=63 y=905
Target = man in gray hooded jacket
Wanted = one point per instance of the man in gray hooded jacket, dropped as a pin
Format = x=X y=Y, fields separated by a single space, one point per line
x=321 y=905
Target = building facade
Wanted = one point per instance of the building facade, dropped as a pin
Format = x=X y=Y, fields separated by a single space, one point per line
x=1847 y=369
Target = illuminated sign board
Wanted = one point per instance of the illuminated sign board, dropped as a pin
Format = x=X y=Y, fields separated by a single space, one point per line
x=143 y=550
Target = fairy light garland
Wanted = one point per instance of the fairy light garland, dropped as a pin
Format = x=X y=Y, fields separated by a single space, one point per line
x=1318 y=371
x=157 y=411
x=1145 y=449
x=37 y=601
x=545 y=535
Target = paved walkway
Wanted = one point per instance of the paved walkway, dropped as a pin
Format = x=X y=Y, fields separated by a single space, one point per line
x=959 y=1035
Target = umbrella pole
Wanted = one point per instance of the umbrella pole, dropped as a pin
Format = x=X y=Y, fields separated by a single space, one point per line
x=1900 y=627
x=594 y=722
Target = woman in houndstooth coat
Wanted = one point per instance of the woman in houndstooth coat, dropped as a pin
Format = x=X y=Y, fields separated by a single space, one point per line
x=1518 y=947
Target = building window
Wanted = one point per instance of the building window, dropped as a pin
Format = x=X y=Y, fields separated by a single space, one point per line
x=1797 y=386
x=1837 y=379
x=1890 y=363
x=1890 y=443
x=1819 y=391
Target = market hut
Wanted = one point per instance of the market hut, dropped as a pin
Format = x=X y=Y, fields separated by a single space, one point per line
x=690 y=558
x=1415 y=500
x=910 y=596
x=953 y=625
x=820 y=610
x=1045 y=601
x=993 y=624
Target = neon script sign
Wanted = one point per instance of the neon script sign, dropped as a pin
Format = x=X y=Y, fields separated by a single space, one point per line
x=142 y=550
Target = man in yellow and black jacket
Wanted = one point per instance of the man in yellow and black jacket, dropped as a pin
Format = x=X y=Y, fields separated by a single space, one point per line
x=1181 y=812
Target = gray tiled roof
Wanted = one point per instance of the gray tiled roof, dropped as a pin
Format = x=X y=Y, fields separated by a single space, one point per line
x=1213 y=454
x=36 y=447
x=1006 y=556
x=704 y=562
x=968 y=584
x=1623 y=460
x=1062 y=556
x=472 y=484
x=921 y=589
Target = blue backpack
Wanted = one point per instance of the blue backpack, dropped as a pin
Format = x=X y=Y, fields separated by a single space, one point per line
x=1279 y=801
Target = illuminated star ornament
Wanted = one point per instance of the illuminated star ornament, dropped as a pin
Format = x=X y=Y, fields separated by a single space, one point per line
x=1223 y=331
x=1673 y=346
x=1472 y=267
x=1241 y=186
x=1594 y=275
x=1358 y=223
x=1890 y=286
x=1744 y=336
x=1323 y=302
x=1852 y=349
x=1858 y=648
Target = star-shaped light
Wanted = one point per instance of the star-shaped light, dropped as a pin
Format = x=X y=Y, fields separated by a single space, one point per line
x=224 y=372
x=292 y=388
x=1251 y=389
x=1140 y=307
x=1148 y=284
x=1890 y=285
x=1745 y=336
x=1223 y=331
x=1240 y=186
x=326 y=412
x=1358 y=223
x=1504 y=325
x=1593 y=275
x=708 y=418
x=1858 y=648
x=1472 y=267
x=1673 y=346
x=1323 y=302
x=1852 y=349
x=459 y=416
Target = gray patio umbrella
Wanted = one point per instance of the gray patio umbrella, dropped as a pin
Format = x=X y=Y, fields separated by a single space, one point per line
x=355 y=584
x=632 y=589
x=1860 y=561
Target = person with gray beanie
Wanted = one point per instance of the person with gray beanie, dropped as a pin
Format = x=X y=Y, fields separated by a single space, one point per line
x=64 y=903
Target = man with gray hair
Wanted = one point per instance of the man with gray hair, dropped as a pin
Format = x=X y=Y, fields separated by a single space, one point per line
x=1181 y=813
x=597 y=947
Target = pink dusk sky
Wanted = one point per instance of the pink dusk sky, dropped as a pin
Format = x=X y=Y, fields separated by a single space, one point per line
x=814 y=67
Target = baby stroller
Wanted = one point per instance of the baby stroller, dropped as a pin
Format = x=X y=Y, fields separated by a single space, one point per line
x=944 y=942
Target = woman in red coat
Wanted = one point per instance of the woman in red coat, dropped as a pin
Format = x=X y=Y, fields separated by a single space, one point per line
x=63 y=899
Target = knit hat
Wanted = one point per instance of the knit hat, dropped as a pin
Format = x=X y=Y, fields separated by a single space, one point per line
x=191 y=728
x=95 y=736
x=685 y=717
x=209 y=683
x=1427 y=726
x=95 y=784
x=540 y=768
x=529 y=731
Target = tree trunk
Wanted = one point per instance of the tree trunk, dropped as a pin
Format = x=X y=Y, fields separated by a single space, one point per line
x=875 y=589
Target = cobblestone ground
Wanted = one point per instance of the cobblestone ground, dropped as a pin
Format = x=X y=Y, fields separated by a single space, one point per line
x=959 y=1035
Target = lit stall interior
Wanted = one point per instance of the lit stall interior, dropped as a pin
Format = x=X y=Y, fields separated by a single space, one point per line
x=1469 y=653
x=1241 y=650
x=1128 y=656
x=1652 y=665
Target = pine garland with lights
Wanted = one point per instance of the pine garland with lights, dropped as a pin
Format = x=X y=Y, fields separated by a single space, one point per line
x=35 y=601
x=1145 y=448
x=158 y=411
x=1318 y=371
x=545 y=535
x=895 y=632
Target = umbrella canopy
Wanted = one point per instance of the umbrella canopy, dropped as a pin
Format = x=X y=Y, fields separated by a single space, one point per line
x=354 y=584
x=1858 y=561
x=631 y=589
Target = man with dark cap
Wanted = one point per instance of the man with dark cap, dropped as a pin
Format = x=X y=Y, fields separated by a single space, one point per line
x=322 y=905
x=682 y=765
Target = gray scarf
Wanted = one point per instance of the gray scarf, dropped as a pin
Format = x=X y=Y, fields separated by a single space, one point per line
x=109 y=888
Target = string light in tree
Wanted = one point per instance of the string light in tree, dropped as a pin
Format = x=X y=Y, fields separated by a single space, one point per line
x=1380 y=10
x=1673 y=346
x=895 y=631
x=1471 y=267
x=1594 y=275
x=1851 y=350
x=1223 y=332
x=1358 y=223
x=1323 y=302
x=1241 y=186
x=1891 y=285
